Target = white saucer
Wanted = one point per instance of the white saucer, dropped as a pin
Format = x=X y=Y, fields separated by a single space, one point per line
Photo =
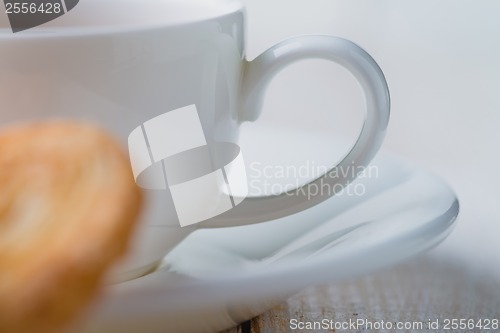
x=216 y=279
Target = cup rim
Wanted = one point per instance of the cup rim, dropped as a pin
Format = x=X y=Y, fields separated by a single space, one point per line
x=54 y=32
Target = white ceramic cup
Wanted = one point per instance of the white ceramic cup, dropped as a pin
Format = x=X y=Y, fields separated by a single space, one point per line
x=121 y=63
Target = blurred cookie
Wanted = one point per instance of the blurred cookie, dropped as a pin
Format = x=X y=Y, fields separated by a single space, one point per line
x=68 y=202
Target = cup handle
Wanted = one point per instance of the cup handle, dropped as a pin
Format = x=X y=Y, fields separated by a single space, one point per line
x=257 y=76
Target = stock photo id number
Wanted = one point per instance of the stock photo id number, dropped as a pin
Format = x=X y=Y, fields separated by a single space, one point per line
x=24 y=15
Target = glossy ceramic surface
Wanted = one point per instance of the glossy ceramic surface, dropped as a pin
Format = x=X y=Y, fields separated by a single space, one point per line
x=123 y=68
x=218 y=278
x=94 y=16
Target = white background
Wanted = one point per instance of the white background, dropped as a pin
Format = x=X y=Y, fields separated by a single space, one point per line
x=442 y=63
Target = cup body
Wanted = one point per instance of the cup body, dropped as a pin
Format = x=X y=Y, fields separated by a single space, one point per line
x=121 y=78
x=170 y=81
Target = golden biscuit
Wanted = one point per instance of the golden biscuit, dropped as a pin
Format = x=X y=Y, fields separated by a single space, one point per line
x=68 y=202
